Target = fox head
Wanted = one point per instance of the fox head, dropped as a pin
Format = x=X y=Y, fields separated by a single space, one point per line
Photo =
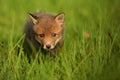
x=48 y=29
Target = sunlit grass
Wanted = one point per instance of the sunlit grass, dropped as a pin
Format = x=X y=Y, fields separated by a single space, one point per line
x=91 y=48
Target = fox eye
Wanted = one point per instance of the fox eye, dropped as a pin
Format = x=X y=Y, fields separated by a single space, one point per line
x=42 y=35
x=53 y=34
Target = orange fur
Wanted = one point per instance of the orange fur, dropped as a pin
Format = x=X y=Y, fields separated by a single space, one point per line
x=44 y=31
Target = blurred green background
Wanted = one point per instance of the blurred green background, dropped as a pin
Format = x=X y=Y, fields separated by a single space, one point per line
x=96 y=57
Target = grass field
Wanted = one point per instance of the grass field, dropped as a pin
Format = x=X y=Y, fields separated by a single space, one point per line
x=92 y=44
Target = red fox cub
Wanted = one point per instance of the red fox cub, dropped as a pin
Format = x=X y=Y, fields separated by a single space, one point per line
x=44 y=31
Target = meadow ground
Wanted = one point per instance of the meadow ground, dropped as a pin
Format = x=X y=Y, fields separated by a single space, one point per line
x=92 y=44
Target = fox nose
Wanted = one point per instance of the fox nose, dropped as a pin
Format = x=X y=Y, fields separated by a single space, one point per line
x=48 y=46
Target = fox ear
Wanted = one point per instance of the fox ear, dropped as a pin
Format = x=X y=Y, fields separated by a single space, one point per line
x=33 y=18
x=60 y=18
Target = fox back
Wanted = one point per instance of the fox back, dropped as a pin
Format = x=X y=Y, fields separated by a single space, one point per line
x=44 y=31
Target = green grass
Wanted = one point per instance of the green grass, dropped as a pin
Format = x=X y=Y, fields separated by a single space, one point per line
x=95 y=58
